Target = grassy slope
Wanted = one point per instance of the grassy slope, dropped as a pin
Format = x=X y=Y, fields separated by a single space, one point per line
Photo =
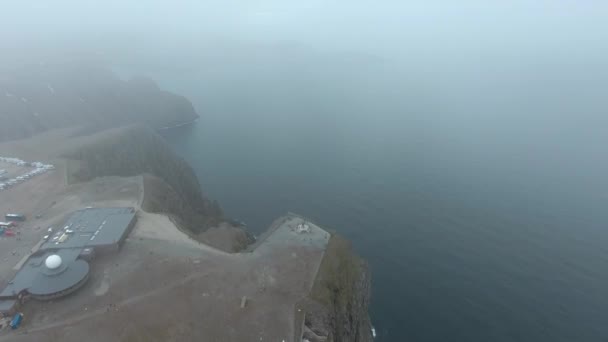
x=342 y=288
x=334 y=283
x=136 y=150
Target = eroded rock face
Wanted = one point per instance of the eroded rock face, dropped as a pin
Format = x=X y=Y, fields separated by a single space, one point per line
x=338 y=309
x=352 y=323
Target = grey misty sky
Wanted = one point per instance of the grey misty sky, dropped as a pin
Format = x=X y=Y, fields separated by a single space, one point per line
x=383 y=27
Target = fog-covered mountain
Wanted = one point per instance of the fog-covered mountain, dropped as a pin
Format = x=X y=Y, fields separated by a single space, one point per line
x=37 y=98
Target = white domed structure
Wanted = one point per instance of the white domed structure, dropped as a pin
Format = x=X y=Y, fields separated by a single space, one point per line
x=53 y=262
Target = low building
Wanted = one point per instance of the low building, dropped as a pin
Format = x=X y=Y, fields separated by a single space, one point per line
x=48 y=275
x=103 y=229
x=61 y=265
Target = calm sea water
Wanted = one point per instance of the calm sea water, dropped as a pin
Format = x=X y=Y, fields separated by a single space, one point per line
x=479 y=199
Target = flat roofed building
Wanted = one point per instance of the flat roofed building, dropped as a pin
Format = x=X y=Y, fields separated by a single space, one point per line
x=104 y=229
x=60 y=266
x=49 y=275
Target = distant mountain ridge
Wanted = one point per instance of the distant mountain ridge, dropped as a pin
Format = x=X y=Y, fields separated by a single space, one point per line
x=38 y=98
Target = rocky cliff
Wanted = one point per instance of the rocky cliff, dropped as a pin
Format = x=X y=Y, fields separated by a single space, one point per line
x=37 y=98
x=338 y=310
x=171 y=186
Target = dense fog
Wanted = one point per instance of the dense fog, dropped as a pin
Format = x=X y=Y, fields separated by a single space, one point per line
x=469 y=136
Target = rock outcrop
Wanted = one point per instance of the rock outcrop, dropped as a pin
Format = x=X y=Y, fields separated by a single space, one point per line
x=338 y=310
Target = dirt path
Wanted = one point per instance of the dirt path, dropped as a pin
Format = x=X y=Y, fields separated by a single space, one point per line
x=160 y=227
x=101 y=311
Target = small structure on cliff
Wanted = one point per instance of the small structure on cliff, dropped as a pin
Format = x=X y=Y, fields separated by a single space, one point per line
x=302 y=228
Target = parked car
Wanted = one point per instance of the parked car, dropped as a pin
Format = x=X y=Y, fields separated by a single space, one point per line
x=16 y=321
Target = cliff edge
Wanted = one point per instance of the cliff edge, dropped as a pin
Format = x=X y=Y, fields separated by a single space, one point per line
x=340 y=298
x=171 y=185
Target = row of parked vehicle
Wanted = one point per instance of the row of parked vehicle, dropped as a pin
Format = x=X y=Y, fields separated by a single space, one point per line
x=39 y=168
x=13 y=160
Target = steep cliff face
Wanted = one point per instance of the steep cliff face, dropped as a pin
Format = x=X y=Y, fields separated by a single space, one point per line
x=39 y=98
x=341 y=297
x=171 y=185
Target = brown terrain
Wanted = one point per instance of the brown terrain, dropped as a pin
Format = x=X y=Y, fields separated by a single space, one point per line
x=163 y=285
x=185 y=273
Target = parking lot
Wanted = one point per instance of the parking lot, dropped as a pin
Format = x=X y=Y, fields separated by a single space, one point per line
x=34 y=197
x=14 y=171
